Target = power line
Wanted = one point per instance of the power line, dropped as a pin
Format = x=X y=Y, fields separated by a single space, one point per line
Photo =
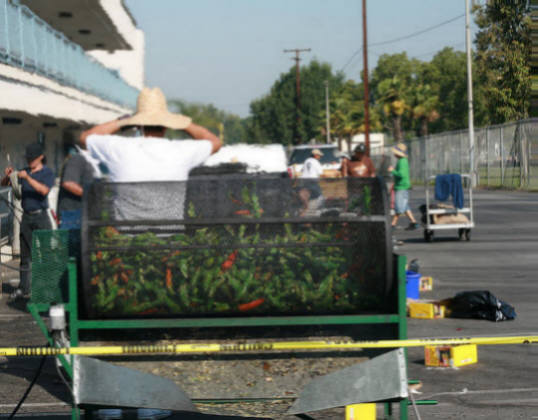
x=411 y=35
x=351 y=59
x=378 y=54
x=461 y=44
x=431 y=28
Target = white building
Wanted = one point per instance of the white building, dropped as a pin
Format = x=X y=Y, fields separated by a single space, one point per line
x=64 y=65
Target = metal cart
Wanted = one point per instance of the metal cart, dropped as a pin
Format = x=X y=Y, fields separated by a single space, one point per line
x=218 y=224
x=464 y=229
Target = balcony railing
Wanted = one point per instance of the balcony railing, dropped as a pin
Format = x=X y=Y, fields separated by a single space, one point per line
x=28 y=42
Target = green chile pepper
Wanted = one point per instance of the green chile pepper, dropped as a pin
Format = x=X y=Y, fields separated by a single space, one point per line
x=287 y=278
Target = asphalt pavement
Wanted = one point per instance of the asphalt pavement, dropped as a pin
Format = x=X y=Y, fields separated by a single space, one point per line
x=501 y=257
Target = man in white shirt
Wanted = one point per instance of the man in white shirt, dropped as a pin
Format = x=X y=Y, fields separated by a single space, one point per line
x=150 y=157
x=310 y=194
x=311 y=167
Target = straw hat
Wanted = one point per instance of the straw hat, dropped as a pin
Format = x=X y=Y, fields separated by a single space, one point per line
x=151 y=109
x=317 y=152
x=400 y=150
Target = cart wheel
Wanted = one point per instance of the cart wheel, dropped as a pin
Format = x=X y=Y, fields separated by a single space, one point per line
x=467 y=234
x=461 y=232
x=428 y=235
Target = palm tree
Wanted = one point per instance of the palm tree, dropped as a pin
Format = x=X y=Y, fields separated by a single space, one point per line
x=347 y=114
x=425 y=107
x=392 y=93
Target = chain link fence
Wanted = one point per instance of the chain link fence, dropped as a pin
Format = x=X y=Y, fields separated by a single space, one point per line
x=504 y=156
x=28 y=42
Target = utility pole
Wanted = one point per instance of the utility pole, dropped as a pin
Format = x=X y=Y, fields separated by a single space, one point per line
x=297 y=59
x=470 y=91
x=366 y=93
x=327 y=113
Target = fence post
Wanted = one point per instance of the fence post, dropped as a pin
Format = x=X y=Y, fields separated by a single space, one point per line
x=529 y=165
x=461 y=153
x=521 y=155
x=423 y=158
x=502 y=155
x=487 y=156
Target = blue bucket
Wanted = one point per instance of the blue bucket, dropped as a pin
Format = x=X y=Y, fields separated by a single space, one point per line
x=412 y=281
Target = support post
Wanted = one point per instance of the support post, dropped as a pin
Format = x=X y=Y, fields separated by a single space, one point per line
x=502 y=155
x=402 y=324
x=297 y=59
x=487 y=156
x=365 y=76
x=470 y=91
x=73 y=302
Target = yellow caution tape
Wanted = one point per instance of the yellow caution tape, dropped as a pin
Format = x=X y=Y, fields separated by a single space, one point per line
x=262 y=346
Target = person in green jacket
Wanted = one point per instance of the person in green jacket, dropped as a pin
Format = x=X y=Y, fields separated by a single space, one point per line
x=402 y=185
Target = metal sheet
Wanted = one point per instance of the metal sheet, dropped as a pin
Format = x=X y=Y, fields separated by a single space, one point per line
x=379 y=379
x=100 y=383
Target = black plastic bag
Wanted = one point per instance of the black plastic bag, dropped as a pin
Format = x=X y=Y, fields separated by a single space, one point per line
x=480 y=304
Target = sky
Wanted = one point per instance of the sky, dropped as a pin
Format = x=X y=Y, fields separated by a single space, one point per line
x=230 y=52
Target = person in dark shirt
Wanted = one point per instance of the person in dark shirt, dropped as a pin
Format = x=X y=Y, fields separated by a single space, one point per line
x=36 y=181
x=76 y=173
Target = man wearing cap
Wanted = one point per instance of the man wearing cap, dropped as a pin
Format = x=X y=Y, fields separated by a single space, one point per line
x=311 y=167
x=360 y=165
x=36 y=180
x=151 y=158
x=402 y=185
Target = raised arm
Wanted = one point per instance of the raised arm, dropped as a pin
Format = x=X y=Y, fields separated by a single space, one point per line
x=106 y=128
x=198 y=132
x=39 y=187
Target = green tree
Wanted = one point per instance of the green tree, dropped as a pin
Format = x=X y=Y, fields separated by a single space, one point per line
x=446 y=74
x=392 y=97
x=273 y=117
x=503 y=57
x=424 y=107
x=391 y=65
x=231 y=127
x=392 y=81
x=347 y=113
x=418 y=97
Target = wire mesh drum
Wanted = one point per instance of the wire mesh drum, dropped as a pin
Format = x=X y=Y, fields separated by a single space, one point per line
x=232 y=246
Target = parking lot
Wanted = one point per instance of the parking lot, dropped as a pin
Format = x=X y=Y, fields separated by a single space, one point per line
x=501 y=257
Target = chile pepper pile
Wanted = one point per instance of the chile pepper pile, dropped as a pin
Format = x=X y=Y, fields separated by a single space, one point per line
x=240 y=268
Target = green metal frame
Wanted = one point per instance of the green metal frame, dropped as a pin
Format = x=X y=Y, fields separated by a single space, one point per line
x=76 y=324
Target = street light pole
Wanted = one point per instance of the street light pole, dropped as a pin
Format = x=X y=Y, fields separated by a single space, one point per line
x=366 y=94
x=470 y=91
